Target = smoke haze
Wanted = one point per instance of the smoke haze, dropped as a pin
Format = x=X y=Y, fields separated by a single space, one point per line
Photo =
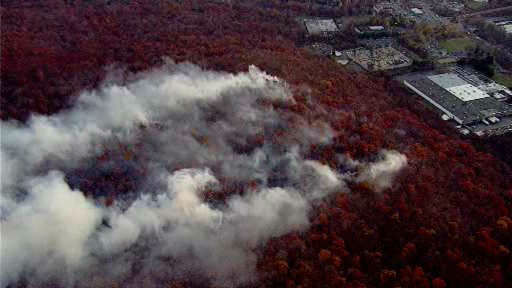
x=223 y=172
x=380 y=174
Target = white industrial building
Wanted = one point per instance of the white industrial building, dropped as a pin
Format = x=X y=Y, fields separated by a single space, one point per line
x=476 y=103
x=458 y=87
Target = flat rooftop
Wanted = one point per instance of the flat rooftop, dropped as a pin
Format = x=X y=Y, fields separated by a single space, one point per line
x=370 y=29
x=417 y=11
x=320 y=26
x=464 y=109
x=458 y=87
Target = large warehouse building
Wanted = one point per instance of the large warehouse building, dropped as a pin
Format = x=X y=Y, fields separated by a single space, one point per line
x=476 y=104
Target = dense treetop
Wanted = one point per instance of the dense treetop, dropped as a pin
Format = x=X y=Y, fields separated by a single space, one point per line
x=445 y=223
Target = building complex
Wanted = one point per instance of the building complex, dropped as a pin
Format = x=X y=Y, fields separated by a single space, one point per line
x=474 y=102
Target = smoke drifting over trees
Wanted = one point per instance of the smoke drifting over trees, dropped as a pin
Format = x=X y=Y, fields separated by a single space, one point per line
x=191 y=126
x=297 y=158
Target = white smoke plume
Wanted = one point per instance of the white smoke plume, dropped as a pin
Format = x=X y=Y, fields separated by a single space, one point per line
x=197 y=134
x=50 y=228
x=379 y=174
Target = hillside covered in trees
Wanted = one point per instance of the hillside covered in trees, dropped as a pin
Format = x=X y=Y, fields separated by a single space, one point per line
x=444 y=221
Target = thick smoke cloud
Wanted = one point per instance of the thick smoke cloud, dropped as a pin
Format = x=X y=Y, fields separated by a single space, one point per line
x=198 y=133
x=51 y=227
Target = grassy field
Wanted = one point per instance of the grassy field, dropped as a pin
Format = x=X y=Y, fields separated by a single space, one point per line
x=503 y=79
x=457 y=44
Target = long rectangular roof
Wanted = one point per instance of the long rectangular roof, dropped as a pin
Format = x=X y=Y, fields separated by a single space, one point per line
x=467 y=111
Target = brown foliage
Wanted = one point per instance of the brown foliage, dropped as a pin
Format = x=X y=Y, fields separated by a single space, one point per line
x=446 y=221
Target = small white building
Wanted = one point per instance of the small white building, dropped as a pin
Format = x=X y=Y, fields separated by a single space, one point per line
x=376 y=28
x=417 y=11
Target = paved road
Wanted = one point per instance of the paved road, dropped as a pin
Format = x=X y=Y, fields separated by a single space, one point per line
x=487 y=11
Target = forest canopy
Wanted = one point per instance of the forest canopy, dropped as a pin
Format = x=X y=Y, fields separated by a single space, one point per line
x=443 y=219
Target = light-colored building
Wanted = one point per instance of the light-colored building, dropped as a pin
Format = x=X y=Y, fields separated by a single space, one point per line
x=417 y=11
x=458 y=87
x=507 y=27
x=320 y=26
x=474 y=102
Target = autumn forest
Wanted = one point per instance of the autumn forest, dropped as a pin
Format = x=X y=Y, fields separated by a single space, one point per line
x=446 y=220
